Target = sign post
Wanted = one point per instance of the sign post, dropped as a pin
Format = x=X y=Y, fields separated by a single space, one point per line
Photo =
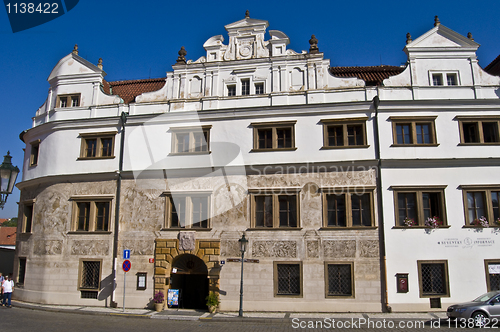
x=126 y=267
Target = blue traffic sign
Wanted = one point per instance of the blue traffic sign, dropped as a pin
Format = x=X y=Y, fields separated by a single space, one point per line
x=126 y=265
x=126 y=253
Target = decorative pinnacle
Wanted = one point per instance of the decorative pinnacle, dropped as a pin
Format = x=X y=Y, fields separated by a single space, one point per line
x=99 y=63
x=75 y=49
x=469 y=35
x=247 y=14
x=408 y=38
x=181 y=59
x=436 y=21
x=314 y=45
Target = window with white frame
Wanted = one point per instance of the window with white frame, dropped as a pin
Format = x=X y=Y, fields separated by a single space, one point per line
x=191 y=140
x=444 y=78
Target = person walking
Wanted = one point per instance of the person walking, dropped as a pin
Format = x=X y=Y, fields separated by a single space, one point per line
x=8 y=288
x=1 y=288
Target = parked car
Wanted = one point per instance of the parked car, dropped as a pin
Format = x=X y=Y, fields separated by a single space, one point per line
x=482 y=311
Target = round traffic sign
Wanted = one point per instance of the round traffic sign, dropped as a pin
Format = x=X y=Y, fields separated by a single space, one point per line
x=126 y=265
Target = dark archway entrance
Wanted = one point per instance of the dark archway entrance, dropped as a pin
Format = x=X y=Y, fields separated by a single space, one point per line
x=191 y=277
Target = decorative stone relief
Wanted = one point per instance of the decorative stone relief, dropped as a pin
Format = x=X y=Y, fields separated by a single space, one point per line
x=83 y=247
x=230 y=248
x=139 y=247
x=48 y=247
x=368 y=248
x=187 y=240
x=274 y=249
x=313 y=249
x=339 y=248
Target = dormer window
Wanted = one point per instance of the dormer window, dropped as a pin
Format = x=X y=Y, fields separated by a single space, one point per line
x=68 y=100
x=444 y=79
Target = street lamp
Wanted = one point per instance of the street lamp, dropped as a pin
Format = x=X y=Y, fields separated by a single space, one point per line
x=8 y=176
x=243 y=247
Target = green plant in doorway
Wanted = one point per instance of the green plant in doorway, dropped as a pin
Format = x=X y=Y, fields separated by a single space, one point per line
x=212 y=301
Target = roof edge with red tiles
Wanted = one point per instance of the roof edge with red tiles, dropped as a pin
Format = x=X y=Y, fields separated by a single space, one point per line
x=372 y=75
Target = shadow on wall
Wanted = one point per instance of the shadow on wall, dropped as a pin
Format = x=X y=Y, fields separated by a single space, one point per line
x=106 y=289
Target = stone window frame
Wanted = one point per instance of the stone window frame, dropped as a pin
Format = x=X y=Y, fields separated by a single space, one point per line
x=486 y=191
x=189 y=209
x=275 y=279
x=34 y=153
x=344 y=122
x=28 y=209
x=413 y=121
x=92 y=219
x=347 y=192
x=346 y=296
x=68 y=100
x=191 y=131
x=99 y=137
x=274 y=192
x=256 y=126
x=444 y=264
x=478 y=122
x=487 y=262
x=81 y=264
x=418 y=191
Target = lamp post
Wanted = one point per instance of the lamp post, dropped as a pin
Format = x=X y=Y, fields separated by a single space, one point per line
x=243 y=247
x=8 y=176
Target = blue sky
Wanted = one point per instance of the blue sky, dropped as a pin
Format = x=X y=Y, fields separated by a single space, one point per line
x=140 y=39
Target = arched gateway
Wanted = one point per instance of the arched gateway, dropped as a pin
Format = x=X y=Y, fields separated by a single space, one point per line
x=194 y=271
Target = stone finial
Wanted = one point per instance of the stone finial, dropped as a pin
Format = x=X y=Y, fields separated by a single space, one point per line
x=436 y=21
x=99 y=64
x=314 y=45
x=469 y=35
x=408 y=38
x=75 y=49
x=181 y=59
x=247 y=14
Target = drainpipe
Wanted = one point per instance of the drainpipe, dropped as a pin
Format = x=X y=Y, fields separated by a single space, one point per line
x=380 y=208
x=123 y=120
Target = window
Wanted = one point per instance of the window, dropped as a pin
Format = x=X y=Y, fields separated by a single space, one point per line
x=342 y=208
x=27 y=224
x=22 y=271
x=231 y=90
x=414 y=206
x=342 y=133
x=481 y=202
x=413 y=131
x=97 y=145
x=275 y=209
x=273 y=136
x=68 y=100
x=259 y=88
x=339 y=279
x=245 y=87
x=91 y=214
x=191 y=140
x=89 y=278
x=35 y=149
x=188 y=210
x=492 y=274
x=288 y=279
x=444 y=79
x=433 y=278
x=474 y=130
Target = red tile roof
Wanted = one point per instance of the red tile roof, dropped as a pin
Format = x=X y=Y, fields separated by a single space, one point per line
x=372 y=75
x=494 y=67
x=8 y=236
x=128 y=90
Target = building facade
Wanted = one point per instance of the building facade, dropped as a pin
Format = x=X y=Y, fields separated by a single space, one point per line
x=331 y=174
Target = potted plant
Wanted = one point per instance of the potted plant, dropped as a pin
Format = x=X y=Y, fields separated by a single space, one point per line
x=433 y=222
x=212 y=302
x=480 y=222
x=158 y=299
x=409 y=222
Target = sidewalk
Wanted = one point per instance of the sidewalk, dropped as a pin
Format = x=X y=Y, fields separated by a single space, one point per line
x=188 y=314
